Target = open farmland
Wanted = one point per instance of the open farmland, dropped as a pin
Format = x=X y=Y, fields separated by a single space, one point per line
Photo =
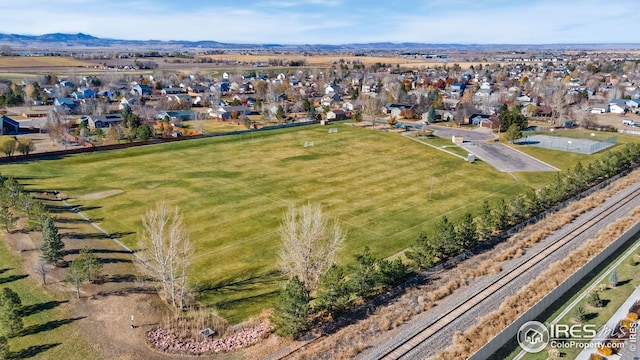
x=31 y=62
x=233 y=190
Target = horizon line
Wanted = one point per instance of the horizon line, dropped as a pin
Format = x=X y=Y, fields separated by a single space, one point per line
x=329 y=44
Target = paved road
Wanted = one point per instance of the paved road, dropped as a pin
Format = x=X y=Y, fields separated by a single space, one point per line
x=491 y=303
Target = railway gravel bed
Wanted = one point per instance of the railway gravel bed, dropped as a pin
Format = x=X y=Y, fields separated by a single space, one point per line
x=429 y=347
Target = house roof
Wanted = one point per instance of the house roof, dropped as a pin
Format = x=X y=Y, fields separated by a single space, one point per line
x=109 y=118
x=65 y=101
x=10 y=121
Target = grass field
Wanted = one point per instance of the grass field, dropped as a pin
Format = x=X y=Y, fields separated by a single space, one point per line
x=212 y=126
x=28 y=62
x=233 y=191
x=48 y=331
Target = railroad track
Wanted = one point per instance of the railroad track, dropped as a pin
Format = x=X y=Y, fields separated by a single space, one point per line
x=404 y=347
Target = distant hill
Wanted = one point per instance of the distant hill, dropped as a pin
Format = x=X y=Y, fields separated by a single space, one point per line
x=80 y=40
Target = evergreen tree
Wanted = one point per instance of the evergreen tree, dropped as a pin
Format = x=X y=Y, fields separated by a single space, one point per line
x=431 y=114
x=518 y=208
x=613 y=278
x=445 y=237
x=280 y=115
x=52 y=247
x=501 y=216
x=10 y=314
x=363 y=274
x=14 y=189
x=333 y=291
x=37 y=215
x=595 y=300
x=485 y=221
x=8 y=296
x=513 y=133
x=466 y=232
x=7 y=218
x=533 y=204
x=421 y=253
x=292 y=310
x=85 y=267
x=391 y=273
x=580 y=314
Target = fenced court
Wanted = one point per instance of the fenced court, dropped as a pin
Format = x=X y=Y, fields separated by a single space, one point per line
x=571 y=144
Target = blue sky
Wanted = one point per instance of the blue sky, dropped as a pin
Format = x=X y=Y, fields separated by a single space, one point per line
x=331 y=21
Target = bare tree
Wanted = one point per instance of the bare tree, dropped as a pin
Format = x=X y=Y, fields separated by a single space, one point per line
x=41 y=268
x=6 y=50
x=309 y=244
x=165 y=252
x=56 y=126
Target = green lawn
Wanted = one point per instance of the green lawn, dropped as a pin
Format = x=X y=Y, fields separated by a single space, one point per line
x=628 y=278
x=233 y=190
x=48 y=330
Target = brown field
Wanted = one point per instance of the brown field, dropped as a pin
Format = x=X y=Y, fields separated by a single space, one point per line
x=327 y=60
x=28 y=62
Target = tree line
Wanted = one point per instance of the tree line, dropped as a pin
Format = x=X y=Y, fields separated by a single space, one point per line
x=16 y=202
x=318 y=287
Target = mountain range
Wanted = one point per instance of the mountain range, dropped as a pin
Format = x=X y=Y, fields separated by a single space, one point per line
x=60 y=41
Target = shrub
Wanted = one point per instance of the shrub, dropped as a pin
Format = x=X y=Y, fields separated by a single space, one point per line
x=595 y=300
x=632 y=316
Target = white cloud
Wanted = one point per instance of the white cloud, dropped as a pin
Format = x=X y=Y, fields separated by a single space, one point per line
x=331 y=21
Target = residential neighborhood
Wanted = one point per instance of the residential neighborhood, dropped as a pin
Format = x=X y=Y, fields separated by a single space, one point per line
x=321 y=179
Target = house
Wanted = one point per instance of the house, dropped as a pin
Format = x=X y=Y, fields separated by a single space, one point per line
x=140 y=90
x=445 y=115
x=227 y=112
x=64 y=104
x=127 y=102
x=395 y=109
x=458 y=88
x=83 y=94
x=477 y=119
x=618 y=108
x=336 y=115
x=171 y=91
x=180 y=98
x=8 y=126
x=633 y=103
x=178 y=116
x=492 y=122
x=106 y=94
x=103 y=121
x=327 y=100
x=543 y=111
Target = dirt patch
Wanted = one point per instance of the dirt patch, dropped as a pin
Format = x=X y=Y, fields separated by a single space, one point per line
x=100 y=194
x=109 y=303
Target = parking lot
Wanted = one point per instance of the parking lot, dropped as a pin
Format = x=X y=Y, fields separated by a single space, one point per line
x=505 y=158
x=500 y=156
